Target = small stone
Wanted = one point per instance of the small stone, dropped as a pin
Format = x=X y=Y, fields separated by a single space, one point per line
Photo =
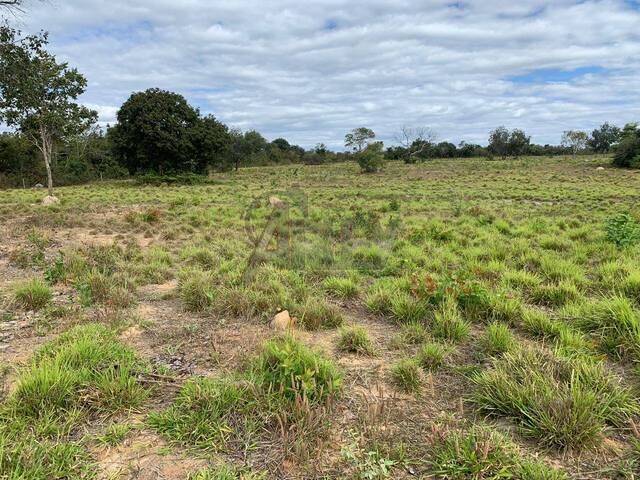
x=600 y=168
x=282 y=321
x=49 y=200
x=39 y=185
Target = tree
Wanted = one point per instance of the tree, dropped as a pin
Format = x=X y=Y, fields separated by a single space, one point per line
x=518 y=142
x=415 y=142
x=153 y=132
x=371 y=159
x=211 y=145
x=282 y=144
x=628 y=150
x=38 y=95
x=603 y=138
x=358 y=138
x=576 y=140
x=499 y=142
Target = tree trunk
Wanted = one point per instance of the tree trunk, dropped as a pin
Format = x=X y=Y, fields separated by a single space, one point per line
x=47 y=148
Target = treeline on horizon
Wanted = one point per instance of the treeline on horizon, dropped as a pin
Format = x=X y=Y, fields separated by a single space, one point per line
x=159 y=133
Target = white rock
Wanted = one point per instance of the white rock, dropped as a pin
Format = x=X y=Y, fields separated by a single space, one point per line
x=600 y=168
x=50 y=200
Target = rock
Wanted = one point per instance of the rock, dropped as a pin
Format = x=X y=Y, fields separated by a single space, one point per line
x=49 y=200
x=282 y=321
x=277 y=203
x=38 y=185
x=600 y=168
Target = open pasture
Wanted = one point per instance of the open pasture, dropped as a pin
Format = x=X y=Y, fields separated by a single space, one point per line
x=453 y=319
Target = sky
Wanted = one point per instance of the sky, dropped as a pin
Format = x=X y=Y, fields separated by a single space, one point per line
x=310 y=71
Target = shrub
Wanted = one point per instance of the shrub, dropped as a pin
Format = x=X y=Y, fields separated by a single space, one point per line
x=355 y=340
x=406 y=375
x=431 y=356
x=497 y=339
x=628 y=150
x=287 y=366
x=371 y=159
x=622 y=229
x=33 y=294
x=566 y=402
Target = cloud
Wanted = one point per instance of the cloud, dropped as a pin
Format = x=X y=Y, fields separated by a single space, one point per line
x=310 y=71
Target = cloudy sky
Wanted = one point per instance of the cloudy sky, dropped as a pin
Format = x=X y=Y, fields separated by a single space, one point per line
x=311 y=70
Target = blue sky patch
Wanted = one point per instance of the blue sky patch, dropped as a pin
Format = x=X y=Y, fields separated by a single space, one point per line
x=553 y=75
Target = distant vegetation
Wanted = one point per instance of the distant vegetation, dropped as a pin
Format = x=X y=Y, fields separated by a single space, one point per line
x=158 y=132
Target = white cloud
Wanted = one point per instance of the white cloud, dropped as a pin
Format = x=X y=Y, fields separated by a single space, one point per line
x=273 y=66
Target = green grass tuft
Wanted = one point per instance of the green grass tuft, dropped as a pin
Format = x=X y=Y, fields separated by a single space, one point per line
x=34 y=294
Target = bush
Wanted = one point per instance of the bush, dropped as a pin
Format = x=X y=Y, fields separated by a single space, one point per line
x=371 y=159
x=623 y=230
x=628 y=150
x=33 y=294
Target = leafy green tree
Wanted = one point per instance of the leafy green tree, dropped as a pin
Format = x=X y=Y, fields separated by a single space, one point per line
x=499 y=142
x=211 y=145
x=575 y=140
x=603 y=138
x=153 y=133
x=371 y=159
x=628 y=150
x=282 y=144
x=358 y=138
x=518 y=143
x=38 y=95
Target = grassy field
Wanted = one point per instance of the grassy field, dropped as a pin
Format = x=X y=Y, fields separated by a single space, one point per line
x=459 y=319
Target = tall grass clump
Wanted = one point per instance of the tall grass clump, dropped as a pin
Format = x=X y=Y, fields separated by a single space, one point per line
x=614 y=322
x=293 y=370
x=448 y=323
x=317 y=314
x=482 y=453
x=196 y=290
x=355 y=340
x=207 y=413
x=33 y=294
x=566 y=402
x=344 y=288
x=83 y=373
